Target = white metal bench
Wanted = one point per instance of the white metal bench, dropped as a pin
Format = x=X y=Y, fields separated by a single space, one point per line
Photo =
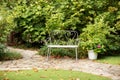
x=62 y=39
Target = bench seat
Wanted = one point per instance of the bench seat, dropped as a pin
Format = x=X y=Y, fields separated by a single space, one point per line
x=62 y=46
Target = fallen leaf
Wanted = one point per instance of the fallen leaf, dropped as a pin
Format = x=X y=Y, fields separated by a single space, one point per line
x=77 y=79
x=7 y=70
x=28 y=74
x=4 y=74
x=5 y=79
x=72 y=79
x=43 y=76
x=45 y=69
x=110 y=66
x=35 y=69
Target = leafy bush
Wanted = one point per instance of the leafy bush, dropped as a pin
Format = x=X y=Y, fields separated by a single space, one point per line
x=60 y=52
x=5 y=54
x=33 y=19
x=2 y=48
x=11 y=55
x=30 y=20
x=6 y=23
x=96 y=34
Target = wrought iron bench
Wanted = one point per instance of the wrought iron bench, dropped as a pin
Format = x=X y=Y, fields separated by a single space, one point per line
x=62 y=39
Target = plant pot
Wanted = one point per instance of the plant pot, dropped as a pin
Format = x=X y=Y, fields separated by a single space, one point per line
x=92 y=55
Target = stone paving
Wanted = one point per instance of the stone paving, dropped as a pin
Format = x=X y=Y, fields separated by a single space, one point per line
x=31 y=60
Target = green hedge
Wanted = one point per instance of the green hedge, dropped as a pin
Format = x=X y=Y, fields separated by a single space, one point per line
x=34 y=19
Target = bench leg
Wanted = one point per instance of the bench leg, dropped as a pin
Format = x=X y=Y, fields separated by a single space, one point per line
x=76 y=53
x=48 y=54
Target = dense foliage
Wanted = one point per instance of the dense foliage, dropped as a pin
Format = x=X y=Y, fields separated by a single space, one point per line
x=95 y=35
x=34 y=19
x=6 y=23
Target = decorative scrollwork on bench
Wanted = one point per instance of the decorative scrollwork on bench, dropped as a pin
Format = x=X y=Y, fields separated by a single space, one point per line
x=62 y=39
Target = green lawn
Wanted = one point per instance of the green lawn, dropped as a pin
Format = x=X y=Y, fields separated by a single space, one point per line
x=110 y=60
x=48 y=75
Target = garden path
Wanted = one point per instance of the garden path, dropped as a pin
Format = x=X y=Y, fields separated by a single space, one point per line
x=30 y=60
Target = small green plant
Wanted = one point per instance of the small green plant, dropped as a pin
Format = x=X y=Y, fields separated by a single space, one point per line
x=43 y=51
x=60 y=52
x=97 y=47
x=100 y=49
x=2 y=48
x=6 y=54
x=12 y=55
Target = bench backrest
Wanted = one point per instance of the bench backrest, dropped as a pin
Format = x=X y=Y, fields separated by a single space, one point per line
x=63 y=37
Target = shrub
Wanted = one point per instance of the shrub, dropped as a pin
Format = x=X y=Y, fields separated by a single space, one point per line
x=33 y=19
x=96 y=34
x=60 y=52
x=6 y=54
x=6 y=23
x=2 y=48
x=11 y=55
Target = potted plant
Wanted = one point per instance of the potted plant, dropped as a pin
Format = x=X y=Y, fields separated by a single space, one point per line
x=93 y=47
x=95 y=50
x=93 y=38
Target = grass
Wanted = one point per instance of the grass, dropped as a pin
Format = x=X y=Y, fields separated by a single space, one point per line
x=115 y=60
x=50 y=74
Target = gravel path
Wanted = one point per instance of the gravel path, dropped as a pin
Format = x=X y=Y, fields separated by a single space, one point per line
x=31 y=60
